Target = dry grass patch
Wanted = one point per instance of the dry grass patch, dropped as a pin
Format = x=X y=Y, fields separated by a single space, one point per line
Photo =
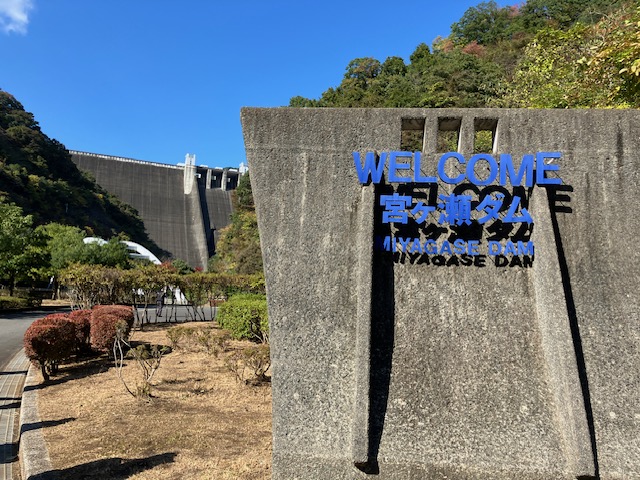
x=201 y=423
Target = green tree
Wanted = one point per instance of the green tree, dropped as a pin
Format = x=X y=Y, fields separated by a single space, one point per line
x=65 y=245
x=449 y=77
x=362 y=70
x=485 y=23
x=144 y=283
x=238 y=247
x=91 y=285
x=244 y=194
x=393 y=66
x=299 y=101
x=21 y=249
x=536 y=14
x=420 y=59
x=110 y=254
x=457 y=79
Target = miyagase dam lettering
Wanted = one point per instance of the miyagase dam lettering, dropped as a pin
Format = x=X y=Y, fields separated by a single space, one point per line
x=460 y=252
x=457 y=209
x=458 y=247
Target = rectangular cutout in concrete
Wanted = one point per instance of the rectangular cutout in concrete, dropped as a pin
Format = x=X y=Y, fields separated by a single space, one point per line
x=448 y=134
x=412 y=135
x=484 y=137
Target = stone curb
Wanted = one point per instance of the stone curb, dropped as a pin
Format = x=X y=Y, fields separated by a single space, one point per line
x=34 y=456
x=11 y=383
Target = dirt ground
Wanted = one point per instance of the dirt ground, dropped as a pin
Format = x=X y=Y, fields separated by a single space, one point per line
x=55 y=303
x=201 y=422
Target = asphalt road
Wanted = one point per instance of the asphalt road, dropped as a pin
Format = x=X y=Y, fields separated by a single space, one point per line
x=12 y=328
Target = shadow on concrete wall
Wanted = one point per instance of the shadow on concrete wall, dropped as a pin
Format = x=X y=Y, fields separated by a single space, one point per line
x=382 y=340
x=559 y=202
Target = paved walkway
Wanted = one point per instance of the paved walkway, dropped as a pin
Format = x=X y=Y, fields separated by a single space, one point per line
x=11 y=382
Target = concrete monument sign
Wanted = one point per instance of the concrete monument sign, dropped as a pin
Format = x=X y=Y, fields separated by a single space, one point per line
x=448 y=307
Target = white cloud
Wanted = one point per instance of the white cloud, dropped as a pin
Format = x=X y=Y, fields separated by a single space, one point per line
x=14 y=15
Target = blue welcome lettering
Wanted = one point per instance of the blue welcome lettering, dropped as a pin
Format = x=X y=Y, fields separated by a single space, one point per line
x=370 y=167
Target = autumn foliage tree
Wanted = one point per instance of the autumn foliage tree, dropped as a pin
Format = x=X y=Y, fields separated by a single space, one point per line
x=613 y=66
x=585 y=66
x=539 y=53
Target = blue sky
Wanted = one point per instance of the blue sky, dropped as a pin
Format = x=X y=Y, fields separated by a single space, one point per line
x=155 y=79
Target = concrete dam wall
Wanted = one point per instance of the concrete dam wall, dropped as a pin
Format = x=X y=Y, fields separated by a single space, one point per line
x=414 y=332
x=182 y=207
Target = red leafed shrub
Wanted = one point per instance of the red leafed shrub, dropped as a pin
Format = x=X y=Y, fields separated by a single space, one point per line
x=123 y=312
x=103 y=332
x=49 y=340
x=104 y=322
x=53 y=316
x=82 y=321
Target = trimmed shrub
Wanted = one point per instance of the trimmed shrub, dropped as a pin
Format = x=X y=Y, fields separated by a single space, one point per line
x=54 y=316
x=123 y=312
x=58 y=319
x=245 y=316
x=31 y=297
x=256 y=359
x=104 y=322
x=48 y=341
x=178 y=334
x=82 y=321
x=103 y=332
x=13 y=303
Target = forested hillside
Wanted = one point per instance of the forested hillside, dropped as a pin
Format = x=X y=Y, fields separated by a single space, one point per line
x=37 y=174
x=539 y=53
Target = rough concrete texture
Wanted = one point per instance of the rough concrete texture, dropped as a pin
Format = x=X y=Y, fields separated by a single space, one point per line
x=182 y=221
x=407 y=370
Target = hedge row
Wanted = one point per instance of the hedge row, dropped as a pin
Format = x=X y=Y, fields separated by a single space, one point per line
x=245 y=316
x=93 y=284
x=56 y=337
x=13 y=303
